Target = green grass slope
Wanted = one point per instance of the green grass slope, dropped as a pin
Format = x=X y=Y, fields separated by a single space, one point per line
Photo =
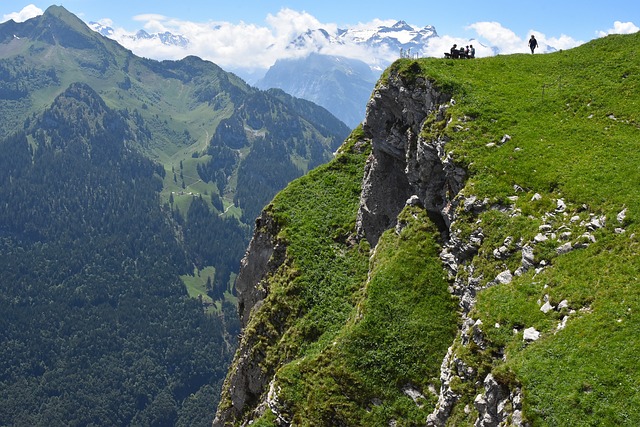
x=573 y=122
x=359 y=340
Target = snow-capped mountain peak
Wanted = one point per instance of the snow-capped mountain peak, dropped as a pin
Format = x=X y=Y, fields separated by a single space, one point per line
x=102 y=29
x=399 y=35
x=165 y=38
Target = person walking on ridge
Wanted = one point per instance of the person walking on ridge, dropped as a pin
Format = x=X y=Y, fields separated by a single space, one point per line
x=533 y=43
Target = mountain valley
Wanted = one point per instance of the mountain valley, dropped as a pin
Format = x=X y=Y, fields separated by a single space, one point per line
x=129 y=190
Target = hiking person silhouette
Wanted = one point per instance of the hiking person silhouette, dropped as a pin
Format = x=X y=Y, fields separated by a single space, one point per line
x=533 y=43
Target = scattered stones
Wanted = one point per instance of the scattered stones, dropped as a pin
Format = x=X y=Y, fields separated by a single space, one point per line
x=415 y=395
x=545 y=228
x=565 y=235
x=528 y=258
x=540 y=238
x=596 y=223
x=564 y=249
x=502 y=252
x=622 y=215
x=562 y=324
x=528 y=261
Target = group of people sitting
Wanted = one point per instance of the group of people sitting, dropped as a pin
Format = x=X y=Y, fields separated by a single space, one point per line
x=466 y=52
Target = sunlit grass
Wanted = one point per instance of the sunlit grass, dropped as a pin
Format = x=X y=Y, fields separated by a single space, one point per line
x=355 y=331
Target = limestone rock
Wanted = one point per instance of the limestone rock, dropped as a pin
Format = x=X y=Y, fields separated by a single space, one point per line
x=546 y=307
x=402 y=164
x=531 y=334
x=504 y=278
x=622 y=215
x=564 y=249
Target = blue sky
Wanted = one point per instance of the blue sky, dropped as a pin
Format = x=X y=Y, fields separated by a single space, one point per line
x=578 y=19
x=245 y=27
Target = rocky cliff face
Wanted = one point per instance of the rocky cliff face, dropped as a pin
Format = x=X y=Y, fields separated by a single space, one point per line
x=408 y=165
x=405 y=163
x=246 y=381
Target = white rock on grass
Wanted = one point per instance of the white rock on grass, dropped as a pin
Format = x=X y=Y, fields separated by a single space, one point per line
x=547 y=307
x=564 y=249
x=531 y=334
x=622 y=215
x=504 y=278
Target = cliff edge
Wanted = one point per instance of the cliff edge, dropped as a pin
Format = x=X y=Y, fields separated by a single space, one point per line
x=451 y=266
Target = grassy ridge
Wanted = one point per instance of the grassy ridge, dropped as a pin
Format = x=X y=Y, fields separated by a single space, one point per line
x=573 y=135
x=573 y=115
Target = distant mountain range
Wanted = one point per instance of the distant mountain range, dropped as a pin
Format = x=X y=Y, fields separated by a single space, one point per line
x=166 y=37
x=381 y=39
x=340 y=84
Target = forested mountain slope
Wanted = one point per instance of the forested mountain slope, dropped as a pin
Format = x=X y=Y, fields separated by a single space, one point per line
x=96 y=326
x=216 y=137
x=128 y=191
x=483 y=272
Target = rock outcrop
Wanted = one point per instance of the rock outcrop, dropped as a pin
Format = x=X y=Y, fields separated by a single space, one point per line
x=405 y=163
x=246 y=381
x=408 y=161
x=409 y=164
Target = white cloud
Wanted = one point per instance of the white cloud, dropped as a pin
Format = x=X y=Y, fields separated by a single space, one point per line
x=287 y=23
x=248 y=47
x=503 y=38
x=253 y=47
x=619 y=28
x=243 y=45
x=560 y=43
x=28 y=12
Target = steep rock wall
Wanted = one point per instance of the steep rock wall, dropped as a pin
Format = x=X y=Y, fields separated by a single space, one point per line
x=404 y=163
x=246 y=380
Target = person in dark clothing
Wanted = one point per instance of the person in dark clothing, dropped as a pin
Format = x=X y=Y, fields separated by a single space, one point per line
x=472 y=51
x=454 y=51
x=533 y=43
